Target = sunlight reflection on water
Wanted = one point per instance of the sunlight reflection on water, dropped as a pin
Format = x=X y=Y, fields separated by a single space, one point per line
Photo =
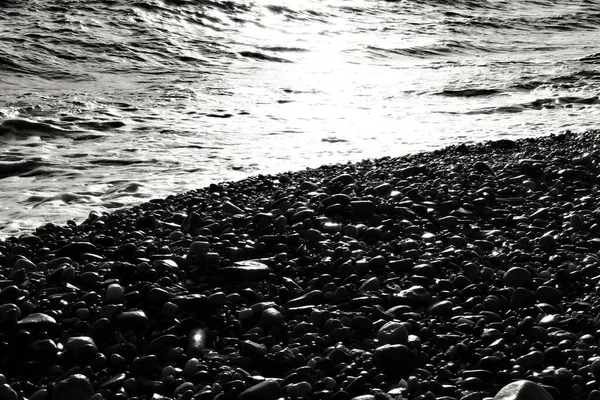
x=172 y=97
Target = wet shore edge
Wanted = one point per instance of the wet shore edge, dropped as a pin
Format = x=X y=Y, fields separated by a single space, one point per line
x=465 y=273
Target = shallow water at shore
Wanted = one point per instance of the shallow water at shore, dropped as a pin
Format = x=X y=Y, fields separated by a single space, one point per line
x=113 y=103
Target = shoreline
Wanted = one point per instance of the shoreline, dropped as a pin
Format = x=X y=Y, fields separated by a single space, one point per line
x=446 y=274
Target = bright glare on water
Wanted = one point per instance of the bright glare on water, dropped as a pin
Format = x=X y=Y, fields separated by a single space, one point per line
x=115 y=102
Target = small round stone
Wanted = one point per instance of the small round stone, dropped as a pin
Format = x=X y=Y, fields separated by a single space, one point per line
x=271 y=318
x=114 y=293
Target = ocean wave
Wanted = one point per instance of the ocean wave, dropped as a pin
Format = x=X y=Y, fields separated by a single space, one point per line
x=18 y=167
x=442 y=49
x=263 y=57
x=471 y=92
x=538 y=104
x=29 y=127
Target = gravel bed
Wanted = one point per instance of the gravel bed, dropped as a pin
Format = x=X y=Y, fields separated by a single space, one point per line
x=442 y=275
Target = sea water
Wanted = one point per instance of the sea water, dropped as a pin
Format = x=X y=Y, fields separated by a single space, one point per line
x=105 y=104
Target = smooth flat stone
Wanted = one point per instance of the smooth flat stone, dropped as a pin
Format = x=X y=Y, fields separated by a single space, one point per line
x=248 y=270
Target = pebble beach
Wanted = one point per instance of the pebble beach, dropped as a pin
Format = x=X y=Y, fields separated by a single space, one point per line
x=466 y=273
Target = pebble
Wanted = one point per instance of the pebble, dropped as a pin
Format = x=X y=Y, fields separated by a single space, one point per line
x=548 y=294
x=392 y=332
x=114 y=293
x=77 y=342
x=532 y=359
x=395 y=359
x=38 y=322
x=41 y=394
x=441 y=309
x=363 y=208
x=523 y=390
x=271 y=318
x=415 y=295
x=8 y=393
x=75 y=387
x=266 y=390
x=76 y=249
x=298 y=390
x=196 y=341
x=248 y=270
x=427 y=283
x=231 y=208
x=370 y=284
x=133 y=319
x=516 y=277
x=596 y=368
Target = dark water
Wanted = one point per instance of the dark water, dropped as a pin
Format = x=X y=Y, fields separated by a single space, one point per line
x=108 y=103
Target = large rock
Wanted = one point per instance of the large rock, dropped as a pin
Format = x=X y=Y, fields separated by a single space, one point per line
x=523 y=390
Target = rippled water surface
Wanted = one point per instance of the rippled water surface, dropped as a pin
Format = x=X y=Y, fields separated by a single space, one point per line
x=110 y=103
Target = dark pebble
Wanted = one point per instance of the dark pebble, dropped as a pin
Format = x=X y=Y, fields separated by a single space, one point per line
x=267 y=390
